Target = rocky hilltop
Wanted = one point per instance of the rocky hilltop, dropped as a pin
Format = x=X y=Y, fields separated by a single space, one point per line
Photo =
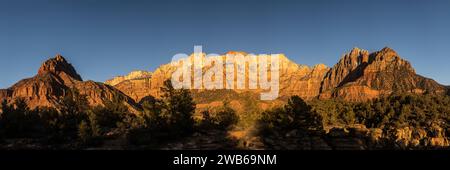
x=56 y=78
x=358 y=76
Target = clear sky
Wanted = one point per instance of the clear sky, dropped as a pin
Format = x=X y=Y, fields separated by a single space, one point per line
x=105 y=38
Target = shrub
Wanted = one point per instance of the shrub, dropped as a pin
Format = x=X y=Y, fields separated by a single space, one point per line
x=84 y=132
x=393 y=111
x=17 y=120
x=163 y=119
x=296 y=114
x=108 y=116
x=222 y=119
x=88 y=133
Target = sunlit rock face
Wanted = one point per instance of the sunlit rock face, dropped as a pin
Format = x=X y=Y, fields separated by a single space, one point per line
x=56 y=78
x=294 y=79
x=139 y=74
x=358 y=76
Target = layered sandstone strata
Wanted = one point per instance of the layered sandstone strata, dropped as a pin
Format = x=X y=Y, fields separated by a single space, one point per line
x=358 y=76
x=56 y=79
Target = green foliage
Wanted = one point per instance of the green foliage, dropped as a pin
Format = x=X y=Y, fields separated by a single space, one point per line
x=59 y=127
x=169 y=117
x=276 y=118
x=333 y=111
x=296 y=114
x=226 y=117
x=72 y=112
x=88 y=133
x=223 y=118
x=84 y=131
x=17 y=120
x=149 y=104
x=108 y=116
x=73 y=120
x=177 y=109
x=394 y=111
x=348 y=116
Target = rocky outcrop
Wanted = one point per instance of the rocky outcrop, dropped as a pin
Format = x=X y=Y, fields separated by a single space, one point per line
x=358 y=76
x=134 y=75
x=348 y=68
x=358 y=137
x=433 y=136
x=57 y=78
x=58 y=66
x=292 y=77
x=4 y=93
x=304 y=81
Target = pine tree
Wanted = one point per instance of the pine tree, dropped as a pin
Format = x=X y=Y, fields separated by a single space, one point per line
x=177 y=108
x=302 y=115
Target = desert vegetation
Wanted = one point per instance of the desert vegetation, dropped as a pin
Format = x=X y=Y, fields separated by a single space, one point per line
x=405 y=121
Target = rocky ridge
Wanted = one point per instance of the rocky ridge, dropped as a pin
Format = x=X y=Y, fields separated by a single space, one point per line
x=56 y=78
x=358 y=76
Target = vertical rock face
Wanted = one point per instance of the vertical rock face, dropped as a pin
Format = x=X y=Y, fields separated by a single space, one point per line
x=304 y=81
x=292 y=76
x=56 y=78
x=136 y=88
x=358 y=76
x=348 y=68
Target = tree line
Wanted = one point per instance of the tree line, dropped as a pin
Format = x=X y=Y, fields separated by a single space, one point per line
x=171 y=117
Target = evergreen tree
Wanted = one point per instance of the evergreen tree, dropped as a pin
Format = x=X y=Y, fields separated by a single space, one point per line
x=84 y=132
x=177 y=108
x=296 y=114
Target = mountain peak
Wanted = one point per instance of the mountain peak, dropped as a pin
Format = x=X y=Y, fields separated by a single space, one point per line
x=55 y=80
x=137 y=74
x=320 y=66
x=357 y=52
x=388 y=49
x=356 y=49
x=59 y=66
x=236 y=53
x=387 y=54
x=60 y=58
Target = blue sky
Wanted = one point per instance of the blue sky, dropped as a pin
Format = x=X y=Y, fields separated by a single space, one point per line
x=105 y=38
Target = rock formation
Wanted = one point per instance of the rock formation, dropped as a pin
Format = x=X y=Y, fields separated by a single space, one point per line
x=309 y=78
x=131 y=76
x=358 y=76
x=57 y=78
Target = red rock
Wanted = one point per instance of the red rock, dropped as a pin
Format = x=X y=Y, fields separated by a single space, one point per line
x=358 y=76
x=55 y=79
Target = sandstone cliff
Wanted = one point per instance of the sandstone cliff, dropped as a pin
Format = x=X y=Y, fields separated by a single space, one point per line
x=358 y=76
x=131 y=76
x=55 y=79
x=292 y=76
